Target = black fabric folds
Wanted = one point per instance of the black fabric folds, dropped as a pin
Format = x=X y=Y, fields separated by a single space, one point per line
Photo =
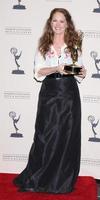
x=54 y=158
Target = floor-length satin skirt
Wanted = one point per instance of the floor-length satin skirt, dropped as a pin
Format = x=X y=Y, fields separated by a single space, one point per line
x=54 y=158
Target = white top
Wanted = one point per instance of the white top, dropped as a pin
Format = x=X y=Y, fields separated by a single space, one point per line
x=52 y=60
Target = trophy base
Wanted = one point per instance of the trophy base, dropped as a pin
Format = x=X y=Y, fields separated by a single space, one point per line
x=93 y=139
x=72 y=69
x=18 y=72
x=19 y=7
x=97 y=10
x=17 y=135
x=95 y=75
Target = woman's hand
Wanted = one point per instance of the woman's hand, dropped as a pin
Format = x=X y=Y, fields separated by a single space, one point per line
x=60 y=69
x=82 y=73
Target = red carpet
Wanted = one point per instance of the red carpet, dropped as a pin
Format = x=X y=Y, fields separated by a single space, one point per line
x=85 y=189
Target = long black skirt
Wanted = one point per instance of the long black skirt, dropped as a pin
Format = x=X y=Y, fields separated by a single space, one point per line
x=54 y=158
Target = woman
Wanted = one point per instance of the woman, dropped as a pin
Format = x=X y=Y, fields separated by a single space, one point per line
x=54 y=158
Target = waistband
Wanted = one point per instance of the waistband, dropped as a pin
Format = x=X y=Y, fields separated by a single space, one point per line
x=57 y=75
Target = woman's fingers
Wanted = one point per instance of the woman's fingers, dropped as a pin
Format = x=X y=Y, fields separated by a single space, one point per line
x=83 y=72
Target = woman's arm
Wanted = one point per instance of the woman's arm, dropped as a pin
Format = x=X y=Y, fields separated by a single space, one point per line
x=41 y=69
x=49 y=70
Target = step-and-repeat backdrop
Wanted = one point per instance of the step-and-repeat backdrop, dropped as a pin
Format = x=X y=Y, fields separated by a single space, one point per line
x=21 y=25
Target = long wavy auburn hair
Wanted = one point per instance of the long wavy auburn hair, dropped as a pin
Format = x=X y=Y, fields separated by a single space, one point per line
x=72 y=38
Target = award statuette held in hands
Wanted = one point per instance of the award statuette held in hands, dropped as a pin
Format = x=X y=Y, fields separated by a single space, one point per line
x=73 y=68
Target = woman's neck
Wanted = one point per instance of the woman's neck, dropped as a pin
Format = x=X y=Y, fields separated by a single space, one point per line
x=58 y=44
x=58 y=41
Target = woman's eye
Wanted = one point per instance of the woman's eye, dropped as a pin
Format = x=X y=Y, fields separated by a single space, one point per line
x=54 y=20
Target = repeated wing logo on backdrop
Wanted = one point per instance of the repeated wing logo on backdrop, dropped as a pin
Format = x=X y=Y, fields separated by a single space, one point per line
x=94 y=125
x=15 y=120
x=94 y=55
x=97 y=10
x=19 y=6
x=17 y=56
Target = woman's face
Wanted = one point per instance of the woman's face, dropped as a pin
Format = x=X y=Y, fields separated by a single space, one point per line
x=58 y=23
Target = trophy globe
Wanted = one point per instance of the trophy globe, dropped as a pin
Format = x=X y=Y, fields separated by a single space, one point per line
x=94 y=124
x=14 y=51
x=15 y=120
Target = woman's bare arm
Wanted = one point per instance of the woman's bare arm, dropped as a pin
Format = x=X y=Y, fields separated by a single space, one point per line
x=50 y=70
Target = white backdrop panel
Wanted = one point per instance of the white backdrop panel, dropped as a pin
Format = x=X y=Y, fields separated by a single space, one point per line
x=20 y=28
